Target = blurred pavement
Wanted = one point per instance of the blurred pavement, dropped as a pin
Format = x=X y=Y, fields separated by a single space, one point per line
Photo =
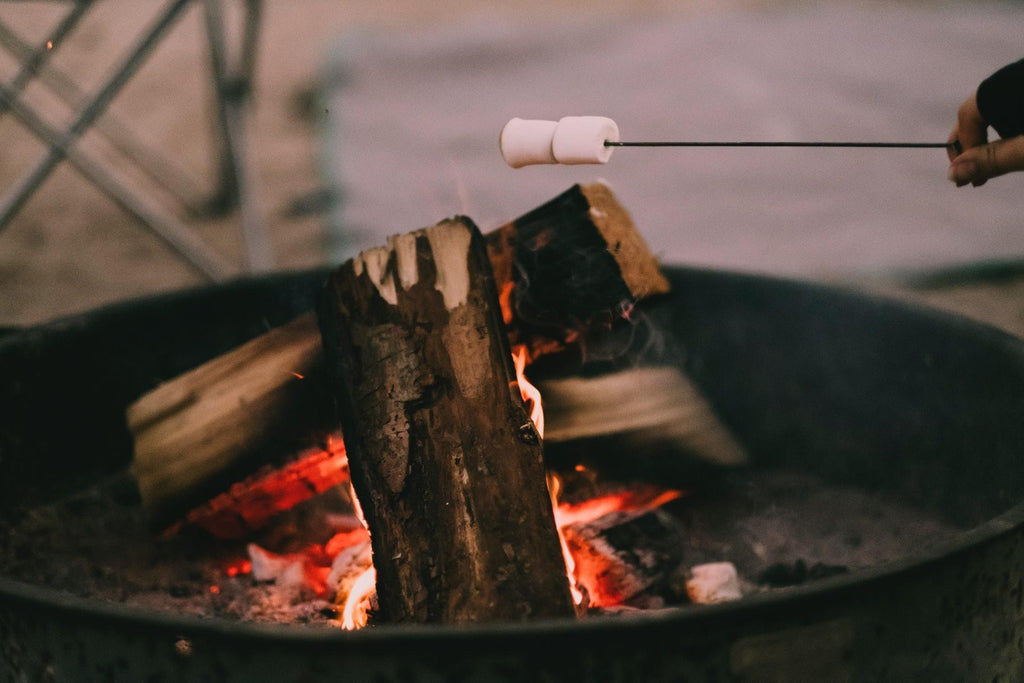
x=413 y=121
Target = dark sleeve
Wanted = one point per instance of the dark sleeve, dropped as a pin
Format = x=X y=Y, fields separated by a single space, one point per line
x=1001 y=100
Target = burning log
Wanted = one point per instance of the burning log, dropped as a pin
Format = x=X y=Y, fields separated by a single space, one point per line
x=575 y=261
x=626 y=557
x=445 y=460
x=251 y=503
x=569 y=265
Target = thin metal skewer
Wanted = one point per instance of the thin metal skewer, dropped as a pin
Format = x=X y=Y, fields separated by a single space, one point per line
x=887 y=145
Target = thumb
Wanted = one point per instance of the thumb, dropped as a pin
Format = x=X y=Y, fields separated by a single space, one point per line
x=978 y=164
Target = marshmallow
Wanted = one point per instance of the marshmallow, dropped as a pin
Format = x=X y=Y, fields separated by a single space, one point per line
x=524 y=142
x=572 y=140
x=580 y=139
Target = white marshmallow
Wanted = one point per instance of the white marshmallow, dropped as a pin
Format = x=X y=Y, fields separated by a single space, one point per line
x=527 y=141
x=571 y=140
x=580 y=139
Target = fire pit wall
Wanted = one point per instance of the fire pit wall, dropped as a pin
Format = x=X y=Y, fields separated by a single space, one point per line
x=858 y=391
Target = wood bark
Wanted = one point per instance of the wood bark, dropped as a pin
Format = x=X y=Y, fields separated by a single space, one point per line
x=444 y=458
x=573 y=262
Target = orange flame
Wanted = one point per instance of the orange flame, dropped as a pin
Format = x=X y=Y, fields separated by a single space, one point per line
x=530 y=393
x=554 y=488
x=354 y=613
x=531 y=396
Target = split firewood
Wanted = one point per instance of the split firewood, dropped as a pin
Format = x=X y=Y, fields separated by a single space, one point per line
x=646 y=408
x=218 y=423
x=569 y=265
x=445 y=461
x=573 y=262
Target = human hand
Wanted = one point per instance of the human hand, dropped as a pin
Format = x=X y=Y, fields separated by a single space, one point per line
x=980 y=159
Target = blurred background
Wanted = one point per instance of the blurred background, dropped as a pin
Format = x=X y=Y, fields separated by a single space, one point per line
x=354 y=120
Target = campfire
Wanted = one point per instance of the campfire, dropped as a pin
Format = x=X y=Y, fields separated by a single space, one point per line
x=429 y=341
x=877 y=434
x=536 y=287
x=513 y=446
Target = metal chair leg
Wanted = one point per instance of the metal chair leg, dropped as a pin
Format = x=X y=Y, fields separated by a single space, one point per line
x=15 y=199
x=38 y=58
x=233 y=88
x=167 y=175
x=179 y=237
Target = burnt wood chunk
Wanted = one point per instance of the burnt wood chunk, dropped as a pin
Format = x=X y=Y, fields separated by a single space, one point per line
x=570 y=264
x=444 y=458
x=627 y=557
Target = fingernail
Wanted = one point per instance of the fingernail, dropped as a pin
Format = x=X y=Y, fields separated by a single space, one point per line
x=953 y=179
x=961 y=173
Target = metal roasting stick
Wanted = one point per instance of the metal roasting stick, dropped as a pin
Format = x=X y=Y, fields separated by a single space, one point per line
x=884 y=145
x=591 y=140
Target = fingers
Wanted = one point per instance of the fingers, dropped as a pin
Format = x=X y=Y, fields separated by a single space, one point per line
x=971 y=129
x=979 y=160
x=978 y=164
x=953 y=145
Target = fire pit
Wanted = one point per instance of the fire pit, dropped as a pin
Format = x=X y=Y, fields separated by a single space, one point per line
x=918 y=406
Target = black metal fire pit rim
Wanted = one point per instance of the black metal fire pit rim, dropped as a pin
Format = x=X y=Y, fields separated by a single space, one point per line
x=113 y=309
x=850 y=289
x=72 y=607
x=822 y=592
x=314 y=275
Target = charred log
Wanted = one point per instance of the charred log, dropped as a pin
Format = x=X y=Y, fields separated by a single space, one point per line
x=444 y=458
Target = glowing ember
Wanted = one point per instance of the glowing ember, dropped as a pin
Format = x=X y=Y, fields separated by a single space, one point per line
x=637 y=499
x=345 y=539
x=238 y=568
x=251 y=503
x=585 y=580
